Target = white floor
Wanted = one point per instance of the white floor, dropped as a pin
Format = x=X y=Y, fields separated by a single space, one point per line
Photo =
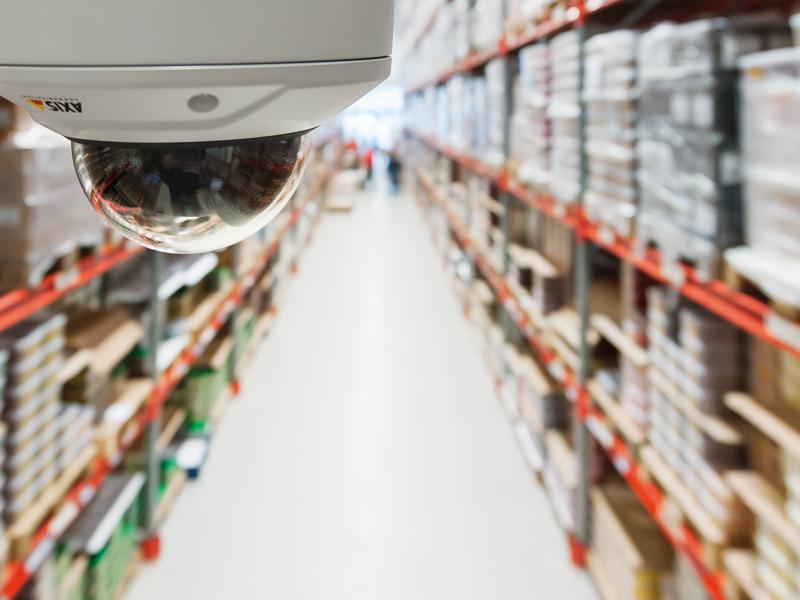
x=367 y=458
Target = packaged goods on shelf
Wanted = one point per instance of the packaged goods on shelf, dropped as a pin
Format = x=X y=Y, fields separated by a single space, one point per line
x=44 y=215
x=479 y=113
x=561 y=478
x=522 y=13
x=130 y=282
x=460 y=120
x=461 y=28
x=696 y=358
x=106 y=534
x=685 y=583
x=774 y=376
x=436 y=50
x=43 y=583
x=495 y=154
x=530 y=125
x=688 y=135
x=611 y=103
x=442 y=131
x=32 y=406
x=538 y=279
x=487 y=24
x=460 y=200
x=541 y=401
x=776 y=563
x=564 y=113
x=76 y=432
x=771 y=106
x=486 y=222
x=629 y=552
x=104 y=338
x=557 y=245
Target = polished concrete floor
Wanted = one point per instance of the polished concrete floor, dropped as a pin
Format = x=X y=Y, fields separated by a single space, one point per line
x=367 y=457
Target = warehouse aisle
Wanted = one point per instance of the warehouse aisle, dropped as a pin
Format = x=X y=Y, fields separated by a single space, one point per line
x=367 y=458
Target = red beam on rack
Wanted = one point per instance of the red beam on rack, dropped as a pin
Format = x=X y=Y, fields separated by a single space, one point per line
x=18 y=305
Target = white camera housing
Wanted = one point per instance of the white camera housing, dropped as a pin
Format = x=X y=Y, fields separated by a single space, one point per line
x=187 y=83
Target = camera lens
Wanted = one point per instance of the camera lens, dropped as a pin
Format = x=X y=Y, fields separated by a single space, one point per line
x=190 y=198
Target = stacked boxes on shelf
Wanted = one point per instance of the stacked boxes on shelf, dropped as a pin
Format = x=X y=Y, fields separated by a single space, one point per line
x=771 y=184
x=32 y=408
x=461 y=27
x=495 y=155
x=76 y=432
x=460 y=113
x=684 y=583
x=522 y=13
x=486 y=220
x=564 y=112
x=610 y=97
x=100 y=340
x=436 y=50
x=688 y=135
x=538 y=403
x=530 y=125
x=43 y=213
x=696 y=358
x=537 y=278
x=630 y=558
x=487 y=24
x=560 y=475
x=777 y=565
x=479 y=120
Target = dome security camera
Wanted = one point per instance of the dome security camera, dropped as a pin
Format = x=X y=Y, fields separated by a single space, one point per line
x=189 y=119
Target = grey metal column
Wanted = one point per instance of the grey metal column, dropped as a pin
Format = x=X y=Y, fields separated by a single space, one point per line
x=152 y=429
x=510 y=330
x=236 y=256
x=583 y=276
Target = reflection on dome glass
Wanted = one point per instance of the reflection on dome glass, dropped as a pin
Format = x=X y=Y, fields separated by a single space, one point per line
x=189 y=198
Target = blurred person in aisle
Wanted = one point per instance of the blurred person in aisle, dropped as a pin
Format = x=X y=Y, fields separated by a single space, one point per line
x=368 y=162
x=394 y=168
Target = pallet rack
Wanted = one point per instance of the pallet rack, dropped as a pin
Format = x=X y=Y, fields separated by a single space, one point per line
x=745 y=312
x=595 y=420
x=17 y=305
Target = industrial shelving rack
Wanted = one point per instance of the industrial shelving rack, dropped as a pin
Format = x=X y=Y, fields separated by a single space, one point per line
x=751 y=315
x=17 y=305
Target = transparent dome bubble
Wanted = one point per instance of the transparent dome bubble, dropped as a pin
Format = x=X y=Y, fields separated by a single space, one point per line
x=191 y=198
